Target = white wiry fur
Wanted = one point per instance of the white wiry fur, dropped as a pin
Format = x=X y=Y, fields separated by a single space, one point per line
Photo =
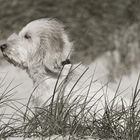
x=40 y=48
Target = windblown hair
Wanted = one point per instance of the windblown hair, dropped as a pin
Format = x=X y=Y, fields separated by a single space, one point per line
x=41 y=45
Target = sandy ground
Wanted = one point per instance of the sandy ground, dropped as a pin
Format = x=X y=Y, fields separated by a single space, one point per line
x=24 y=90
x=21 y=93
x=100 y=66
x=17 y=77
x=128 y=81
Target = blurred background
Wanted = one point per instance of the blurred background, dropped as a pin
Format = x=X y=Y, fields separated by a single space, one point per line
x=92 y=24
x=103 y=31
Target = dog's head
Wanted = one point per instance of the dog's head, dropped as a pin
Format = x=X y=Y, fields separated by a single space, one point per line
x=42 y=42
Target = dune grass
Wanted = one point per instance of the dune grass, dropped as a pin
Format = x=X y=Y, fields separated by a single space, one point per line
x=73 y=119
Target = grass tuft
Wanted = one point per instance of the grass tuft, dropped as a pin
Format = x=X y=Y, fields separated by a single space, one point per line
x=73 y=118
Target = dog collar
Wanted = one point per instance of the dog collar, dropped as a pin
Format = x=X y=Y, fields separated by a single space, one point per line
x=67 y=61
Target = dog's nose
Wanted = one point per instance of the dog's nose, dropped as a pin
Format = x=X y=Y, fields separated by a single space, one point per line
x=3 y=47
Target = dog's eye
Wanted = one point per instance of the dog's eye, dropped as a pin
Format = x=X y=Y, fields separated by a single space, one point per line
x=27 y=36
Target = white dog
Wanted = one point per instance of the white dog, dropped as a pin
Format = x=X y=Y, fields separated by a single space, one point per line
x=43 y=49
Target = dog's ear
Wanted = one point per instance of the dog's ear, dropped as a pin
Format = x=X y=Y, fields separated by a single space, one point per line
x=56 y=49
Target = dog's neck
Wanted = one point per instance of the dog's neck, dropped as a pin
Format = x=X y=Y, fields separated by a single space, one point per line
x=45 y=81
x=40 y=73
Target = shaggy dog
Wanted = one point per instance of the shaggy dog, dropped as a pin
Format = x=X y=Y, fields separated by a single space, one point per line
x=43 y=49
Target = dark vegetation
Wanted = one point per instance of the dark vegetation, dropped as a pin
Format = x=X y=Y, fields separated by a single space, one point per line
x=91 y=23
x=74 y=120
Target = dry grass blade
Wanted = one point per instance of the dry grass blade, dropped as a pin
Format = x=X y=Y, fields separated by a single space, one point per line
x=74 y=118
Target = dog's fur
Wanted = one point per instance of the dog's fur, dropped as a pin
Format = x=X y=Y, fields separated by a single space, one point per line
x=40 y=48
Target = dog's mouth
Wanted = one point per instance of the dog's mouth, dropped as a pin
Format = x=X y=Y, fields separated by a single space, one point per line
x=12 y=61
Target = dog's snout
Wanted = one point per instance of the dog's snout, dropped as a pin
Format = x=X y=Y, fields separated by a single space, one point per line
x=3 y=47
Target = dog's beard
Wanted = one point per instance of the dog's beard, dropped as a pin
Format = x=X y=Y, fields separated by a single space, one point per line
x=13 y=61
